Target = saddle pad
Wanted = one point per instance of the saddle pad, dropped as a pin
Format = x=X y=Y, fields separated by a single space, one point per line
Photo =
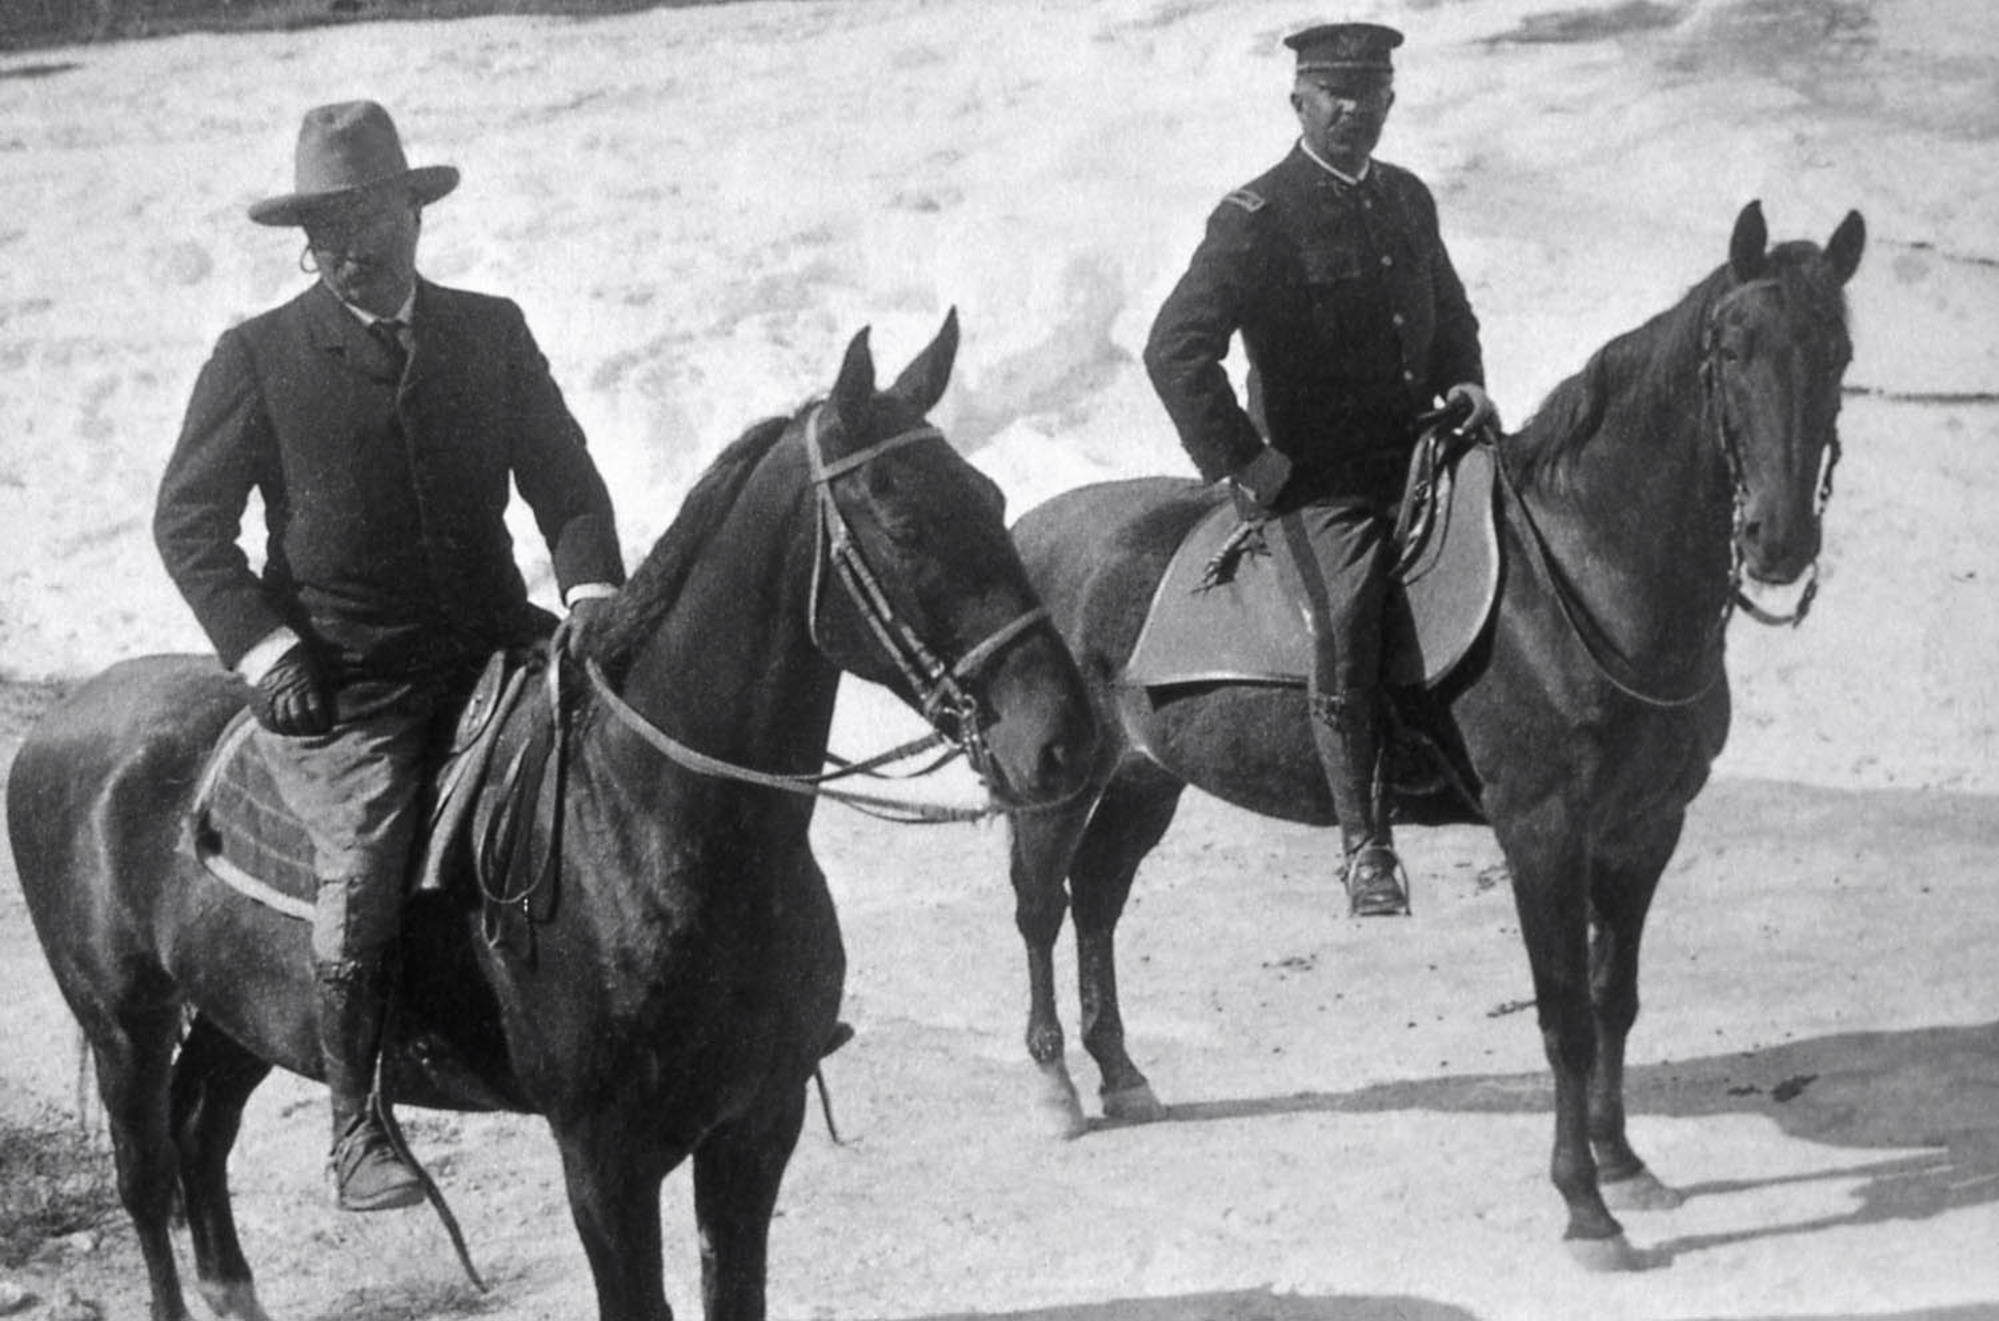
x=243 y=832
x=1245 y=630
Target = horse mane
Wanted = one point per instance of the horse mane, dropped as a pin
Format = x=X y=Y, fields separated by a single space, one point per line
x=638 y=611
x=1641 y=361
x=1647 y=362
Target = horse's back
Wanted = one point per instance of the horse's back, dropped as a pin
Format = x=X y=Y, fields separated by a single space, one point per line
x=1096 y=553
x=103 y=778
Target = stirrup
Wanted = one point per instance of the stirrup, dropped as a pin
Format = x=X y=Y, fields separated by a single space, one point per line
x=1373 y=877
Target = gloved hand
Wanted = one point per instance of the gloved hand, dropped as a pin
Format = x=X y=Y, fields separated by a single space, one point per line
x=1483 y=412
x=293 y=697
x=586 y=614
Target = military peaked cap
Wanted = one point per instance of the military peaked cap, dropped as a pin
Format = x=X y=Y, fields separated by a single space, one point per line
x=1345 y=47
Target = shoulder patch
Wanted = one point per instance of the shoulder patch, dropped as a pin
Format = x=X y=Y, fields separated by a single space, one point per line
x=1248 y=199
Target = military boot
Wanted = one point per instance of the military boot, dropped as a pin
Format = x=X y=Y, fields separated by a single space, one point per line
x=368 y=1175
x=1346 y=729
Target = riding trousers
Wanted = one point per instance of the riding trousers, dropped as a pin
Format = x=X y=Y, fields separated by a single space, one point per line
x=1334 y=557
x=359 y=791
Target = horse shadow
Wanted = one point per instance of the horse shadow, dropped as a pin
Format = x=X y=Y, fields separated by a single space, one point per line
x=1930 y=1095
x=1236 y=1305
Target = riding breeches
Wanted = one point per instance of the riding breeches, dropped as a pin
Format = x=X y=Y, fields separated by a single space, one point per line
x=1334 y=557
x=359 y=791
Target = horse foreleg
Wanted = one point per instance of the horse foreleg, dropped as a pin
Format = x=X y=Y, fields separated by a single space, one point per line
x=1549 y=889
x=134 y=1055
x=1620 y=897
x=737 y=1172
x=613 y=1192
x=212 y=1080
x=1040 y=848
x=1131 y=818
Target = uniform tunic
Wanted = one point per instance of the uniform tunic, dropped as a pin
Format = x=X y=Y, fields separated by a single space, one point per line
x=1352 y=315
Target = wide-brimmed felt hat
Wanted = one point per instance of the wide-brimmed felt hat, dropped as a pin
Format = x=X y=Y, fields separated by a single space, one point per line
x=342 y=149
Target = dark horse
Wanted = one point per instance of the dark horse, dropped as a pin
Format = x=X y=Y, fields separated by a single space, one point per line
x=1688 y=453
x=680 y=995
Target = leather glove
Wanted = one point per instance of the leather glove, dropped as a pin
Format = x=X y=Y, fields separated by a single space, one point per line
x=1482 y=411
x=292 y=698
x=586 y=615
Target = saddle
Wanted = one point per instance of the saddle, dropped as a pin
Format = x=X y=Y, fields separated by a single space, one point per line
x=1221 y=614
x=493 y=803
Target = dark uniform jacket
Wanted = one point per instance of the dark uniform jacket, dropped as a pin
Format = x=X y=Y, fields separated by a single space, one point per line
x=384 y=496
x=1352 y=315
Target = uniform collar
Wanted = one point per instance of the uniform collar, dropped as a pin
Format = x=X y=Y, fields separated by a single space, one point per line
x=1350 y=180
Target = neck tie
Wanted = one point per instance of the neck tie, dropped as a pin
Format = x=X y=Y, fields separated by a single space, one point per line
x=394 y=336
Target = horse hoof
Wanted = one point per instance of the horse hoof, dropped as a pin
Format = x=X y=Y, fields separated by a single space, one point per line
x=1607 y=1256
x=1639 y=1192
x=1133 y=1105
x=1058 y=1110
x=232 y=1300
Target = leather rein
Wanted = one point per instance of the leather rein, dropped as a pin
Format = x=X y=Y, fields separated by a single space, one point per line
x=942 y=689
x=1621 y=673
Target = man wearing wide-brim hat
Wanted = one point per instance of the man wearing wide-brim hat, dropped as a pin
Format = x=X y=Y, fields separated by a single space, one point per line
x=1332 y=268
x=383 y=420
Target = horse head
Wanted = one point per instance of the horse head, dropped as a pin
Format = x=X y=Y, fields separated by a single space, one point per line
x=936 y=604
x=1776 y=350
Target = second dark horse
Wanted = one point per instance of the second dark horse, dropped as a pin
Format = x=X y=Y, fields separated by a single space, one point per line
x=682 y=991
x=1689 y=454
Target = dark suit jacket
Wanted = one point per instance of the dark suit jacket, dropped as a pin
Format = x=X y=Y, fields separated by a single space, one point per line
x=1351 y=312
x=384 y=497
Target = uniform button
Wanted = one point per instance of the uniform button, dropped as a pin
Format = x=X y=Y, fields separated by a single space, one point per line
x=1408 y=376
x=1397 y=319
x=1387 y=260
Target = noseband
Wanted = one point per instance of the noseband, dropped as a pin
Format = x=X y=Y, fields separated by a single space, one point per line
x=941 y=688
x=1731 y=451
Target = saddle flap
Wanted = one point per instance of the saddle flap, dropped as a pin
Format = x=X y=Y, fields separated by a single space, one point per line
x=1246 y=629
x=242 y=830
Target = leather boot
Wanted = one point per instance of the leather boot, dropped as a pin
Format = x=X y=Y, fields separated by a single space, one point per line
x=1346 y=729
x=367 y=1173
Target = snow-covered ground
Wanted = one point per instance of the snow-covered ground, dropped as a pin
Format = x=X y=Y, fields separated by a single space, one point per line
x=697 y=207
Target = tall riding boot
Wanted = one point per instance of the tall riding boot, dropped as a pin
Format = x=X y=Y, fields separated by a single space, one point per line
x=1346 y=729
x=367 y=1173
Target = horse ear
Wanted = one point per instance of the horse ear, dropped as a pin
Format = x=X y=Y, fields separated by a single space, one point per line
x=1843 y=250
x=922 y=382
x=1745 y=249
x=853 y=397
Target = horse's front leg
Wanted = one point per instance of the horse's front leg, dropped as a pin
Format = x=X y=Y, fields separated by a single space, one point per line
x=1131 y=819
x=1621 y=895
x=1549 y=890
x=612 y=1171
x=1040 y=847
x=737 y=1171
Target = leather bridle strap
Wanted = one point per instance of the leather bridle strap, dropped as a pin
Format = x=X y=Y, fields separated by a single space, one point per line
x=938 y=687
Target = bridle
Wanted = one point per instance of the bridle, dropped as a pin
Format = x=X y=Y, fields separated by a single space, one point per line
x=1708 y=670
x=1731 y=452
x=943 y=689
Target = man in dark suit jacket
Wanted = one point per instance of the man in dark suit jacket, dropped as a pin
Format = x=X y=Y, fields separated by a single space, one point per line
x=1332 y=268
x=382 y=420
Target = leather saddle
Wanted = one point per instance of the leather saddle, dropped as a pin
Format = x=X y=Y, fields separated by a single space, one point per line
x=1221 y=615
x=493 y=801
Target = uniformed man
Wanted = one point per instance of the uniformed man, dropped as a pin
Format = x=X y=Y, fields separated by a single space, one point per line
x=1332 y=269
x=383 y=420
